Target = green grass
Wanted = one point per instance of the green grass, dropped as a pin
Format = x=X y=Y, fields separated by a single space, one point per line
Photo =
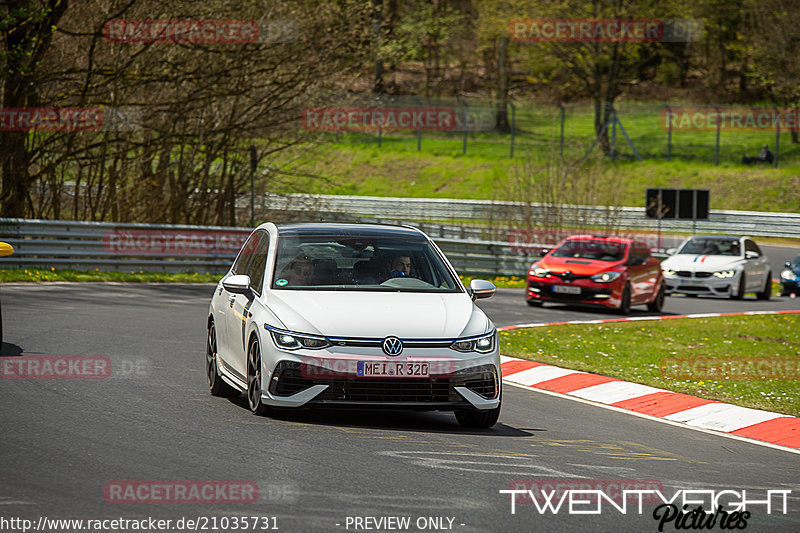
x=61 y=274
x=353 y=163
x=637 y=352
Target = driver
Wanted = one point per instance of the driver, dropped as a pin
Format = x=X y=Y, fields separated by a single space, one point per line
x=400 y=266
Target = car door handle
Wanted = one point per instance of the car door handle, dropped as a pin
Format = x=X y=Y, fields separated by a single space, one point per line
x=230 y=301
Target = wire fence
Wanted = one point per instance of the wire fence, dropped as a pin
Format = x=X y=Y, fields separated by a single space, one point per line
x=710 y=133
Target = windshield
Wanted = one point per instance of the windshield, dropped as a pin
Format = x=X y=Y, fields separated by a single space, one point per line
x=711 y=246
x=331 y=262
x=594 y=250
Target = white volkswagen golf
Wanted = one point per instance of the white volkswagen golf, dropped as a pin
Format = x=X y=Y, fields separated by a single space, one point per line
x=352 y=315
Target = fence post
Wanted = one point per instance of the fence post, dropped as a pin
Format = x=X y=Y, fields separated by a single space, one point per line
x=561 y=139
x=380 y=133
x=777 y=139
x=513 y=127
x=466 y=127
x=716 y=148
x=613 y=134
x=669 y=133
x=419 y=131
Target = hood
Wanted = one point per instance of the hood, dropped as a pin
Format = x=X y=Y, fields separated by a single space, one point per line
x=585 y=267
x=378 y=314
x=702 y=263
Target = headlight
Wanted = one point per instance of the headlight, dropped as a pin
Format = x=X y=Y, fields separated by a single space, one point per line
x=538 y=271
x=668 y=271
x=788 y=275
x=289 y=340
x=723 y=274
x=605 y=277
x=482 y=344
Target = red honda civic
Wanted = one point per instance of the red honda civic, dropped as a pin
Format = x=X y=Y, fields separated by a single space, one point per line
x=597 y=270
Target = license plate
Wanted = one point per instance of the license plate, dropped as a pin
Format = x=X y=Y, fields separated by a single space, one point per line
x=567 y=289
x=369 y=369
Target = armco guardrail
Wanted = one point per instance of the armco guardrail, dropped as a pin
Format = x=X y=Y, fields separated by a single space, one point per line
x=753 y=223
x=153 y=247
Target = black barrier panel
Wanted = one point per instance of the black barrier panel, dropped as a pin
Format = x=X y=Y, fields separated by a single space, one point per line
x=688 y=204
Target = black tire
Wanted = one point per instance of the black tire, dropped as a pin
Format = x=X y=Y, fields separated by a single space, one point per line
x=473 y=418
x=625 y=301
x=254 y=379
x=534 y=303
x=767 y=292
x=658 y=302
x=216 y=386
x=740 y=293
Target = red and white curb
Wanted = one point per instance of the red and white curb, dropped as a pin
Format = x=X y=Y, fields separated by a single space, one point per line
x=774 y=428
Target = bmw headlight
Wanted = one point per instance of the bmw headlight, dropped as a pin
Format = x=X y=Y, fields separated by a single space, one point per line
x=668 y=271
x=605 y=277
x=724 y=274
x=289 y=340
x=538 y=271
x=788 y=275
x=482 y=344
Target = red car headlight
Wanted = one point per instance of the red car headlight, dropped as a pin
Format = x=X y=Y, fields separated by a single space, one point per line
x=605 y=277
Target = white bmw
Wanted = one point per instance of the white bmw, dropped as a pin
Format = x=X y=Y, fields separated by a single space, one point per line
x=718 y=265
x=352 y=315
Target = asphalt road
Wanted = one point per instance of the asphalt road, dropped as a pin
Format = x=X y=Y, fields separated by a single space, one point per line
x=64 y=441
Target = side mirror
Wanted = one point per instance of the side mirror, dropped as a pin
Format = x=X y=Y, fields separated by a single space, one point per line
x=480 y=288
x=671 y=251
x=751 y=254
x=787 y=264
x=239 y=284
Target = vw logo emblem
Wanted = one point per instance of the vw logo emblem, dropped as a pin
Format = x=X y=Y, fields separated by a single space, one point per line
x=392 y=346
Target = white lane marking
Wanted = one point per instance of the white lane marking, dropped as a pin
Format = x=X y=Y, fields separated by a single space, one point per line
x=722 y=416
x=539 y=374
x=614 y=391
x=479 y=462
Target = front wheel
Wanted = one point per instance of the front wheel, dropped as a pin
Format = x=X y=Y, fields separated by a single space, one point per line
x=740 y=293
x=767 y=292
x=254 y=380
x=658 y=302
x=625 y=302
x=474 y=418
x=216 y=386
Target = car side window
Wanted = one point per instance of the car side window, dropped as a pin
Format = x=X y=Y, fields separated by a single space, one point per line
x=751 y=246
x=245 y=254
x=258 y=261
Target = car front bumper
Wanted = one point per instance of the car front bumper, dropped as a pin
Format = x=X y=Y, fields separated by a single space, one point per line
x=465 y=382
x=708 y=286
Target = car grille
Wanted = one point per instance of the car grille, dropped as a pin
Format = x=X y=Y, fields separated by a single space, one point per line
x=688 y=274
x=545 y=289
x=345 y=388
